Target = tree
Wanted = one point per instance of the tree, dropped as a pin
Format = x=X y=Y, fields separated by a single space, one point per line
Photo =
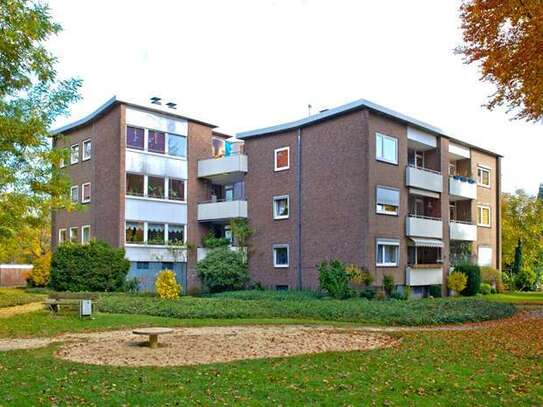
x=31 y=98
x=505 y=37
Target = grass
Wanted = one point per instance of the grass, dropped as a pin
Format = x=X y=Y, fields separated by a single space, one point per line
x=10 y=297
x=518 y=297
x=262 y=304
x=502 y=365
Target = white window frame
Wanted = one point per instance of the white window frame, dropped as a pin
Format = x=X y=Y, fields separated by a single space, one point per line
x=278 y=150
x=384 y=211
x=60 y=241
x=71 y=230
x=146 y=142
x=85 y=157
x=146 y=230
x=484 y=169
x=274 y=253
x=62 y=163
x=83 y=228
x=278 y=198
x=387 y=242
x=383 y=159
x=479 y=216
x=72 y=188
x=83 y=200
x=72 y=148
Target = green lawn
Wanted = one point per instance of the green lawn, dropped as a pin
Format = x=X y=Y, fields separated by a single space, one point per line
x=492 y=367
x=15 y=296
x=518 y=297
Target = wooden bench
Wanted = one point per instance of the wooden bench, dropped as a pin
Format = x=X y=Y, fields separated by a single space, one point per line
x=153 y=334
x=57 y=305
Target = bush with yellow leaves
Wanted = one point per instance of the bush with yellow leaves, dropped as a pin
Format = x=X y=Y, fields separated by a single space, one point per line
x=39 y=276
x=457 y=281
x=166 y=285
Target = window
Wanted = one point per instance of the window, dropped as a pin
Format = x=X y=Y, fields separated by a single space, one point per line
x=280 y=255
x=452 y=169
x=484 y=256
x=134 y=232
x=74 y=193
x=177 y=145
x=86 y=192
x=452 y=211
x=387 y=201
x=217 y=147
x=74 y=235
x=135 y=138
x=281 y=287
x=156 y=142
x=142 y=265
x=155 y=233
x=176 y=189
x=87 y=150
x=282 y=158
x=134 y=184
x=387 y=253
x=386 y=148
x=280 y=207
x=155 y=187
x=74 y=154
x=85 y=234
x=176 y=234
x=483 y=176
x=62 y=236
x=483 y=215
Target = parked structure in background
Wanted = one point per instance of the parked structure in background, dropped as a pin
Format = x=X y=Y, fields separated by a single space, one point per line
x=370 y=186
x=150 y=180
x=359 y=183
x=14 y=275
x=540 y=193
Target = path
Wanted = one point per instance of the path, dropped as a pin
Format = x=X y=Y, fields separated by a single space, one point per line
x=20 y=309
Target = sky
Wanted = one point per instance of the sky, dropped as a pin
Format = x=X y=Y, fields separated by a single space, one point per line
x=245 y=64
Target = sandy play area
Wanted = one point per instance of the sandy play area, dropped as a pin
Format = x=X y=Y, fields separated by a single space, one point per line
x=190 y=346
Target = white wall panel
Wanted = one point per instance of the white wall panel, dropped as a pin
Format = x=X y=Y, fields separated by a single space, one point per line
x=155 y=211
x=155 y=121
x=151 y=164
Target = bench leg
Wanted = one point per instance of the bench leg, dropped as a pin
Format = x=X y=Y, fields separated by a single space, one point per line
x=153 y=341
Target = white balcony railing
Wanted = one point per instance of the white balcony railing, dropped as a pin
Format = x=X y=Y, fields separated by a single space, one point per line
x=423 y=226
x=462 y=231
x=222 y=210
x=420 y=275
x=224 y=170
x=423 y=178
x=201 y=252
x=462 y=188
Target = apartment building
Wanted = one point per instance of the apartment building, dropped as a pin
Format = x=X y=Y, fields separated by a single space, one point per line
x=370 y=186
x=150 y=180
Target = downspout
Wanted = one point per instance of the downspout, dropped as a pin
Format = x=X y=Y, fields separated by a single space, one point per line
x=299 y=209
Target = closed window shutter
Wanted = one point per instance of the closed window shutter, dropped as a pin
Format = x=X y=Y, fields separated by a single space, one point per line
x=386 y=196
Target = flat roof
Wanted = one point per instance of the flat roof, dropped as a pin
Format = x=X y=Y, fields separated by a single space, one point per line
x=351 y=107
x=115 y=101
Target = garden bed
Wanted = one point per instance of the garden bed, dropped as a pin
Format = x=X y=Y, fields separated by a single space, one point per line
x=10 y=297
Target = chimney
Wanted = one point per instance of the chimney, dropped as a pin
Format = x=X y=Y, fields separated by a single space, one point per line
x=156 y=100
x=171 y=105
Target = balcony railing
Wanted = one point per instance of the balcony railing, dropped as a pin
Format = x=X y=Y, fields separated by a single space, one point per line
x=418 y=276
x=222 y=210
x=424 y=226
x=462 y=188
x=465 y=231
x=223 y=170
x=423 y=178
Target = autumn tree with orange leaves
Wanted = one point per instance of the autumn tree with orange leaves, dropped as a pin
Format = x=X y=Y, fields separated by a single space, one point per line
x=505 y=37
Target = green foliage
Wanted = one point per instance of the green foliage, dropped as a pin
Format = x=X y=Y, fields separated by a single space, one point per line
x=493 y=277
x=131 y=285
x=485 y=288
x=473 y=273
x=388 y=284
x=334 y=280
x=166 y=285
x=273 y=304
x=525 y=279
x=209 y=241
x=223 y=270
x=368 y=292
x=435 y=291
x=457 y=281
x=41 y=270
x=359 y=275
x=92 y=267
x=31 y=99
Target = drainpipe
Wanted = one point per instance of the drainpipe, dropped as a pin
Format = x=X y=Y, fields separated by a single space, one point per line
x=299 y=209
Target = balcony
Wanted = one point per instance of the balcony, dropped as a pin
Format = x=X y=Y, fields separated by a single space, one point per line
x=423 y=226
x=201 y=252
x=424 y=274
x=462 y=231
x=222 y=211
x=423 y=178
x=462 y=188
x=224 y=170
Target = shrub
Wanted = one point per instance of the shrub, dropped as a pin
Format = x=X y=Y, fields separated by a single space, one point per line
x=333 y=279
x=166 y=286
x=39 y=276
x=223 y=270
x=525 y=279
x=359 y=275
x=209 y=241
x=457 y=281
x=92 y=267
x=435 y=291
x=493 y=277
x=473 y=273
x=131 y=285
x=368 y=292
x=485 y=288
x=388 y=284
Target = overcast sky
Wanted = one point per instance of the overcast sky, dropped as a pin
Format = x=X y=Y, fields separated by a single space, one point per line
x=255 y=63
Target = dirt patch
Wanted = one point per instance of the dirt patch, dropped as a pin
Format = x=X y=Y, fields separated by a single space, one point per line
x=190 y=346
x=20 y=309
x=30 y=343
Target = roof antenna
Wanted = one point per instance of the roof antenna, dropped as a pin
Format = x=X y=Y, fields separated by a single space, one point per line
x=309 y=109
